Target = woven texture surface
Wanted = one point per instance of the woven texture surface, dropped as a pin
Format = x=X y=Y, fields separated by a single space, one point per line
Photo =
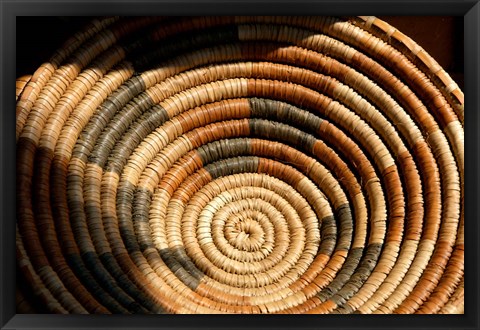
x=240 y=165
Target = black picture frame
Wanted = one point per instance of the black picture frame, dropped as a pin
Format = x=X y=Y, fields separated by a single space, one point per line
x=469 y=9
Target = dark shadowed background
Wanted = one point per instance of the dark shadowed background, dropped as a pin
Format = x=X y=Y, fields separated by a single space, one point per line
x=441 y=36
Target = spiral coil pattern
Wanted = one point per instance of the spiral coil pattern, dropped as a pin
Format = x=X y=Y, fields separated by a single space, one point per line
x=241 y=165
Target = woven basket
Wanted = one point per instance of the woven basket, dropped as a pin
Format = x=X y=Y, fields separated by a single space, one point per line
x=240 y=165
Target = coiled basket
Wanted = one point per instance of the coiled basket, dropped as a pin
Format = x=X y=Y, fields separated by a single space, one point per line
x=240 y=165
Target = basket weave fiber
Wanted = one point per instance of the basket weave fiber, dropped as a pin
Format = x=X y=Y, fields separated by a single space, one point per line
x=240 y=165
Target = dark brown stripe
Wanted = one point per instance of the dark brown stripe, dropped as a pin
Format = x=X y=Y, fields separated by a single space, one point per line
x=130 y=288
x=364 y=270
x=132 y=138
x=342 y=277
x=104 y=114
x=232 y=166
x=141 y=206
x=328 y=236
x=124 y=201
x=224 y=149
x=284 y=113
x=271 y=130
x=344 y=216
x=182 y=266
x=117 y=126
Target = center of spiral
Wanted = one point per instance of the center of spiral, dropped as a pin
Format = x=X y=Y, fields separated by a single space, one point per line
x=244 y=233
